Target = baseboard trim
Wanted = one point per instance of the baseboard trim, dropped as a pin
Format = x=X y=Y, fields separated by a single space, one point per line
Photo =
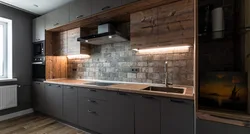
x=16 y=114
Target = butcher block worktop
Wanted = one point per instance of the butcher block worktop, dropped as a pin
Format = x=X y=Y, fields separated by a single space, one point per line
x=125 y=87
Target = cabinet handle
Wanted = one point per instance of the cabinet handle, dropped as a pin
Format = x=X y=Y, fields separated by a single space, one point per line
x=58 y=86
x=177 y=101
x=105 y=8
x=120 y=93
x=49 y=84
x=93 y=112
x=70 y=87
x=56 y=24
x=79 y=16
x=92 y=90
x=37 y=83
x=148 y=97
x=18 y=86
x=92 y=101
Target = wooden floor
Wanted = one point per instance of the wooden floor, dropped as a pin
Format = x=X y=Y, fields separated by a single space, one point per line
x=36 y=124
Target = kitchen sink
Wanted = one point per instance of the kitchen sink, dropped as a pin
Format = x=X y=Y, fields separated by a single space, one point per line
x=166 y=89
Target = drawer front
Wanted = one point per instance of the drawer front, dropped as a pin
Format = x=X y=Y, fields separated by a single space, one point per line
x=69 y=93
x=93 y=93
x=92 y=114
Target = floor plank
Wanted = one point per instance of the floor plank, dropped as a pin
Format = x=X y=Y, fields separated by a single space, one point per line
x=36 y=124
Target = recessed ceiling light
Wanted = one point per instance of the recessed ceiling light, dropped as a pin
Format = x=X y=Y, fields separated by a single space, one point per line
x=35 y=5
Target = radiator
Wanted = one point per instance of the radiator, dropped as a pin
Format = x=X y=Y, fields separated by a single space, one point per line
x=8 y=96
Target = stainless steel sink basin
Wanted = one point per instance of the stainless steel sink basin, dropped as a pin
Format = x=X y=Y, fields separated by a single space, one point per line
x=166 y=89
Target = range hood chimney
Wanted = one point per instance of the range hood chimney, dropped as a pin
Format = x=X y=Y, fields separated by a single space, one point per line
x=107 y=34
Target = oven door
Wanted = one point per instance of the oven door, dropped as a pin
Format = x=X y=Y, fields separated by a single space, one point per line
x=38 y=72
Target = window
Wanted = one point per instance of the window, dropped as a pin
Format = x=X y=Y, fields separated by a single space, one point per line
x=5 y=48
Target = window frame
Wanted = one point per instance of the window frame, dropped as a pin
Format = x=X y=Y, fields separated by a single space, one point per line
x=5 y=49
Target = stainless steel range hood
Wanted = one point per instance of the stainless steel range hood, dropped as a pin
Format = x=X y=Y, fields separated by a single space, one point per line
x=106 y=35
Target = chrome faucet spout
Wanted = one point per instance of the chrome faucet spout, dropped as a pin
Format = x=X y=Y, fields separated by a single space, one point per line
x=166 y=74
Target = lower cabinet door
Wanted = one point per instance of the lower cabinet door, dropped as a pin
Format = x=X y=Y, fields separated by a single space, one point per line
x=70 y=104
x=147 y=115
x=38 y=96
x=177 y=116
x=70 y=111
x=122 y=114
x=53 y=95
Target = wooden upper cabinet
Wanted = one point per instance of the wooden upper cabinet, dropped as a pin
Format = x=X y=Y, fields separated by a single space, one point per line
x=176 y=23
x=103 y=5
x=143 y=28
x=80 y=9
x=170 y=24
x=39 y=29
x=57 y=17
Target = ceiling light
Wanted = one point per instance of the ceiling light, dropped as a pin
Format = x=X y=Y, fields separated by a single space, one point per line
x=86 y=40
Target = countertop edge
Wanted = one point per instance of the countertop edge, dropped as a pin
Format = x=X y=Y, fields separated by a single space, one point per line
x=159 y=94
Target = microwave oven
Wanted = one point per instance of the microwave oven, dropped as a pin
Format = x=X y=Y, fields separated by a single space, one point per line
x=39 y=48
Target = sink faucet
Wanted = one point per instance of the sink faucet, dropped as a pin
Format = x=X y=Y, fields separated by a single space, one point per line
x=166 y=75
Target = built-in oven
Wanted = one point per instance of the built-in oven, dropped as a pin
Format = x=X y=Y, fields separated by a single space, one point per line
x=39 y=48
x=38 y=68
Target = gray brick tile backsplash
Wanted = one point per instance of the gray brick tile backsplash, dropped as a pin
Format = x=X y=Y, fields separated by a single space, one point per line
x=115 y=61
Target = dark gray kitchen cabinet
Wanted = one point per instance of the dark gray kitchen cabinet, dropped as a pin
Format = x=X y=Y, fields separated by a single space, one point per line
x=103 y=5
x=92 y=114
x=53 y=95
x=177 y=116
x=57 y=17
x=39 y=29
x=70 y=104
x=124 y=2
x=147 y=115
x=209 y=127
x=80 y=9
x=38 y=96
x=122 y=113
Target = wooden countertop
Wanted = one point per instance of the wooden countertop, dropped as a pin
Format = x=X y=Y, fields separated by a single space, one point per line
x=124 y=87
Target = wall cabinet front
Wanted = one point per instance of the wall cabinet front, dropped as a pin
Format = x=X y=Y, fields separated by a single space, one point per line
x=53 y=95
x=147 y=115
x=177 y=116
x=103 y=5
x=39 y=29
x=38 y=96
x=57 y=17
x=80 y=9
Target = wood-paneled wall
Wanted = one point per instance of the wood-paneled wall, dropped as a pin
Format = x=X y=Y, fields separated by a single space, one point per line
x=56 y=67
x=170 y=24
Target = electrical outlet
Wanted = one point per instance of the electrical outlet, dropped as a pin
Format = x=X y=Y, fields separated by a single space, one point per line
x=134 y=70
x=74 y=69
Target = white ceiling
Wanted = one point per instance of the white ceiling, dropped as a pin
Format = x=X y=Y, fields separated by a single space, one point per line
x=44 y=6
